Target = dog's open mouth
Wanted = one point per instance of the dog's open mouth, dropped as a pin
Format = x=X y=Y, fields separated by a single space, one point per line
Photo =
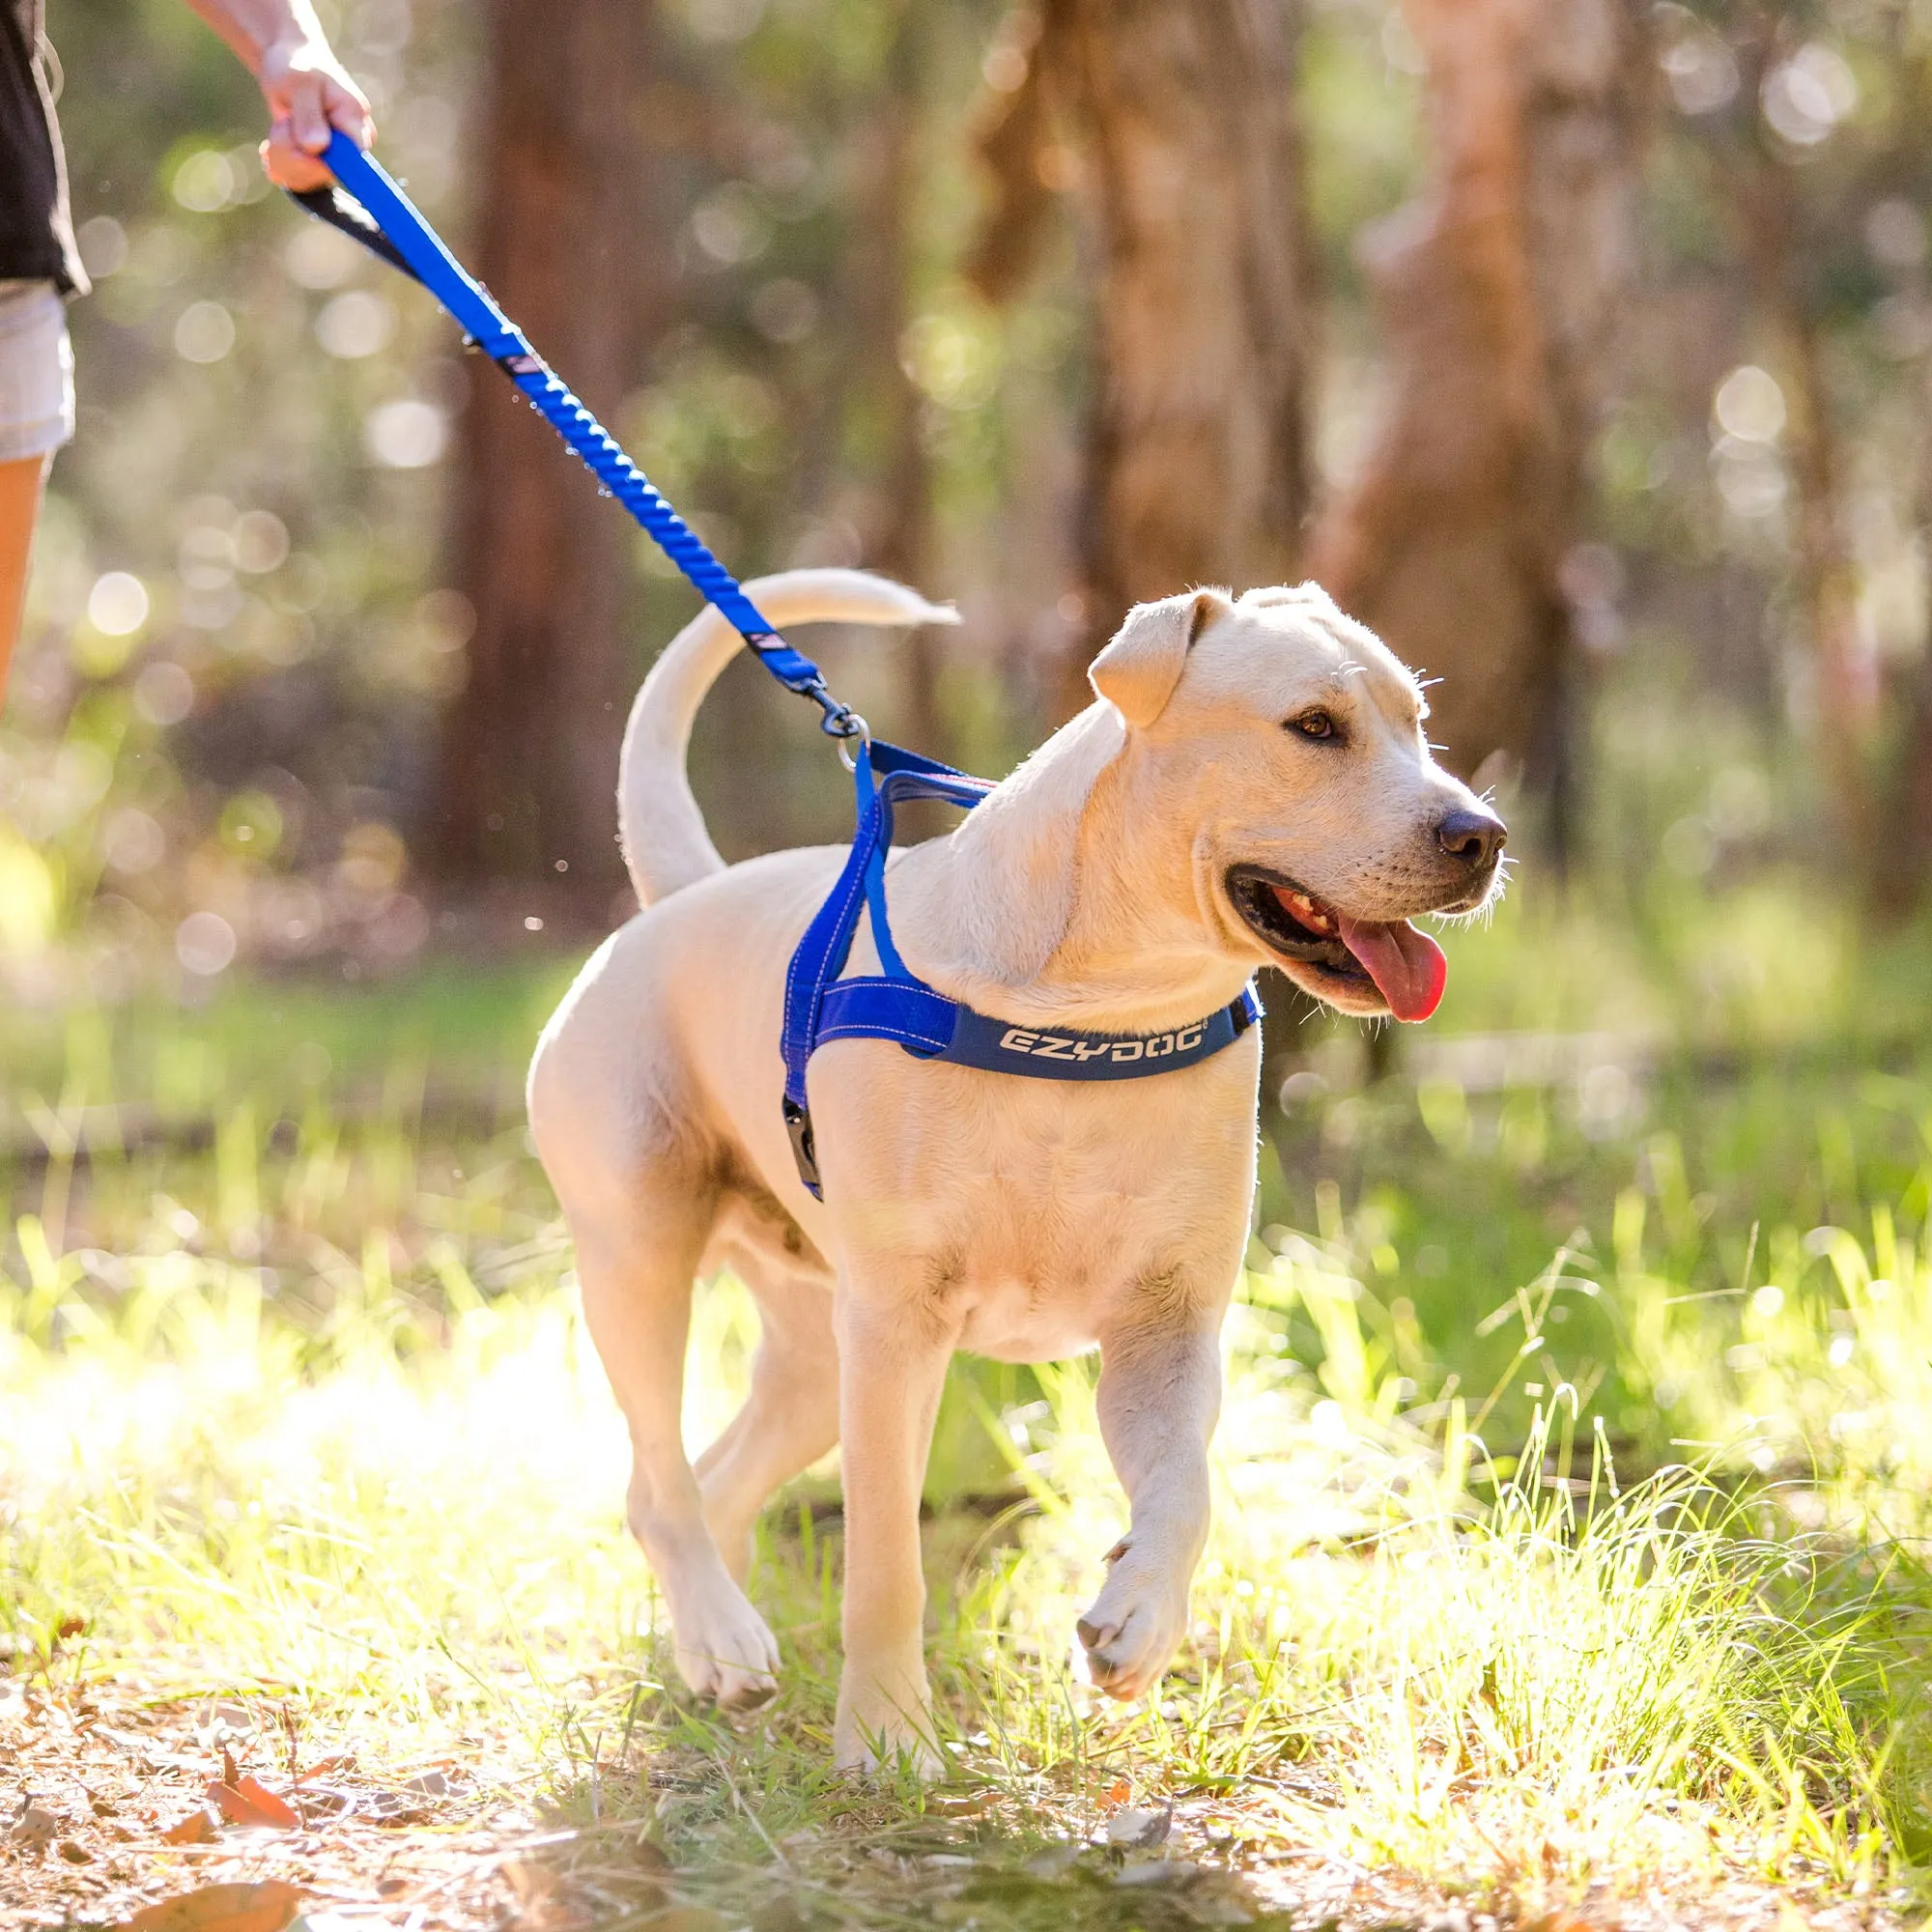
x=1402 y=965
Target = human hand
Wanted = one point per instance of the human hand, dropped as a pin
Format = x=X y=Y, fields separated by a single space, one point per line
x=308 y=92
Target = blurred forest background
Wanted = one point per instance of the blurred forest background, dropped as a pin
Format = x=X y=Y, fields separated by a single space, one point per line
x=1582 y=347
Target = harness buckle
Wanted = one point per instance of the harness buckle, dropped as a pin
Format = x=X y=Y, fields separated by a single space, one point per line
x=804 y=1152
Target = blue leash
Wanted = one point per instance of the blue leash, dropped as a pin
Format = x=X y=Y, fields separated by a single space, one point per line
x=819 y=1005
x=395 y=231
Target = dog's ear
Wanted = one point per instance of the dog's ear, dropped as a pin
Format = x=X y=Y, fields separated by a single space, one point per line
x=1137 y=671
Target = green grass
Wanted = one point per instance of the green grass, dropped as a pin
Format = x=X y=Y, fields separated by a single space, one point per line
x=371 y=1471
x=1569 y=1530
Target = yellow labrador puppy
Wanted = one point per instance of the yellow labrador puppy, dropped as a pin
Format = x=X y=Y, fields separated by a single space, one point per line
x=1251 y=786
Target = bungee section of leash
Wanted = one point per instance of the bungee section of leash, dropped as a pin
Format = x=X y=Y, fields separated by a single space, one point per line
x=382 y=220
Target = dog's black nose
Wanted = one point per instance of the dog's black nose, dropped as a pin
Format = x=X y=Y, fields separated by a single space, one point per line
x=1472 y=838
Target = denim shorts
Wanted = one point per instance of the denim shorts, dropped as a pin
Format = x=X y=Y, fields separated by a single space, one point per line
x=36 y=371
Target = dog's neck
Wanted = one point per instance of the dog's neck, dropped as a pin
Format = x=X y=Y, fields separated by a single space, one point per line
x=1061 y=898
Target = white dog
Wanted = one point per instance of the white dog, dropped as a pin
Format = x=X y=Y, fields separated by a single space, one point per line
x=1250 y=787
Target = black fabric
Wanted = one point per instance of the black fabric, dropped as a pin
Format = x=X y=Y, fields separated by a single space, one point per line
x=36 y=233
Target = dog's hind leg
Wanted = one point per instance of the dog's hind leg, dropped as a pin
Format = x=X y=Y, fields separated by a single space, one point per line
x=639 y=1190
x=635 y=1257
x=790 y=1419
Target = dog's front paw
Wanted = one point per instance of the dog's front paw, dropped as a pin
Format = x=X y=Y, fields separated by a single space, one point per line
x=865 y=1750
x=727 y=1651
x=885 y=1723
x=1136 y=1626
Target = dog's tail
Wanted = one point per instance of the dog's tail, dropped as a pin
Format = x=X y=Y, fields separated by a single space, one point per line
x=659 y=824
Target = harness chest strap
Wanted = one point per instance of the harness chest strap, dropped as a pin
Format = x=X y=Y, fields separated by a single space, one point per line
x=895 y=1005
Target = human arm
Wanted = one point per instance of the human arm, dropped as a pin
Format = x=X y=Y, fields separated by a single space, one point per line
x=19 y=506
x=308 y=89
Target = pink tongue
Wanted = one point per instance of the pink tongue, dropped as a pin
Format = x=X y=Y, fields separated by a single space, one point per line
x=1407 y=965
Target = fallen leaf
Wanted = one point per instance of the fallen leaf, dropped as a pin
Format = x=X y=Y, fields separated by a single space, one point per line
x=196 y=1829
x=1116 y=1793
x=75 y=1853
x=244 y=1800
x=1140 y=1830
x=35 y=1826
x=266 y=1907
x=323 y=1766
x=432 y=1784
x=69 y=1626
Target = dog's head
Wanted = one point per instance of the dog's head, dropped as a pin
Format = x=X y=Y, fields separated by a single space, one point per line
x=1294 y=739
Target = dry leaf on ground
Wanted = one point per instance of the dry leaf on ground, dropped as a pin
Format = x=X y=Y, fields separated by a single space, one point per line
x=1140 y=1829
x=196 y=1829
x=35 y=1826
x=266 y=1907
x=245 y=1801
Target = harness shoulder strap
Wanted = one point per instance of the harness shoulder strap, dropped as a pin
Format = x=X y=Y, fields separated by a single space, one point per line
x=881 y=775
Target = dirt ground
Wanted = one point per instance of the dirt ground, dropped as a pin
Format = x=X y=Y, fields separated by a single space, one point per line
x=220 y=1816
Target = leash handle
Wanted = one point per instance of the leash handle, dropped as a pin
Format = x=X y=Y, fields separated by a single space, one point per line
x=396 y=231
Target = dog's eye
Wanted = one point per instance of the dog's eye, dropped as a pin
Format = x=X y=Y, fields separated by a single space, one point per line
x=1314 y=724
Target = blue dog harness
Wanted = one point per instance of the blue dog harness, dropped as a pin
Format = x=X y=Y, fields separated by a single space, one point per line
x=819 y=1005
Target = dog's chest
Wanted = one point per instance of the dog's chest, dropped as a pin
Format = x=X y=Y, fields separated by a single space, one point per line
x=1049 y=1231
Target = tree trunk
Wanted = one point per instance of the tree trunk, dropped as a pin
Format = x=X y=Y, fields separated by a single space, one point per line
x=1496 y=292
x=1768 y=198
x=1184 y=113
x=576 y=249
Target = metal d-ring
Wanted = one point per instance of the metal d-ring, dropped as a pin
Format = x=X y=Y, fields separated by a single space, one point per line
x=856 y=728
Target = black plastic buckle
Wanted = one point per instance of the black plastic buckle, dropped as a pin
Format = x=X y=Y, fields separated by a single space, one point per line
x=798 y=1124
